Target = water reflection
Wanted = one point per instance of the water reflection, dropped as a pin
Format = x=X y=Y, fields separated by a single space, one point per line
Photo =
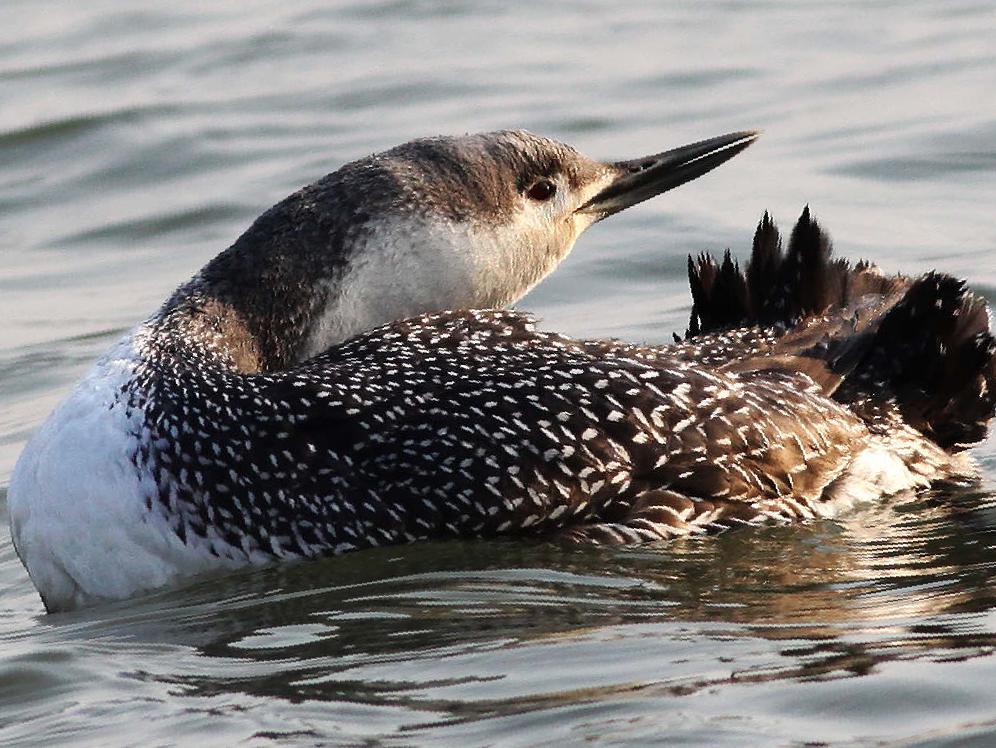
x=451 y=632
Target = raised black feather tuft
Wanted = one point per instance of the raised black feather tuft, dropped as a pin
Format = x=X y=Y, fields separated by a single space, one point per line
x=779 y=288
x=921 y=345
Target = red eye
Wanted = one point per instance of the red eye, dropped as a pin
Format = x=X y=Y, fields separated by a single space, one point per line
x=542 y=190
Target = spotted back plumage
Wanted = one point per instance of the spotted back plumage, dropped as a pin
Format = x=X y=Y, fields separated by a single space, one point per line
x=470 y=423
x=474 y=423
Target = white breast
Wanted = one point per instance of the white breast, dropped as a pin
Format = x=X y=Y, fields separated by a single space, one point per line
x=78 y=503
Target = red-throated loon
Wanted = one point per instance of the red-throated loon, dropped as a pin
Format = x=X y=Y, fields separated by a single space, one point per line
x=344 y=376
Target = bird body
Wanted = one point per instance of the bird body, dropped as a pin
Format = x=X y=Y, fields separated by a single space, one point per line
x=330 y=383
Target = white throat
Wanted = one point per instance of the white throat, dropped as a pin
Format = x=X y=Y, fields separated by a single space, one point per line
x=406 y=268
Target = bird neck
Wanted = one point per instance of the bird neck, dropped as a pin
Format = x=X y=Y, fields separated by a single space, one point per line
x=306 y=276
x=254 y=304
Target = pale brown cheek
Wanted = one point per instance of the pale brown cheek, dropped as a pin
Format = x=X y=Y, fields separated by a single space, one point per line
x=567 y=234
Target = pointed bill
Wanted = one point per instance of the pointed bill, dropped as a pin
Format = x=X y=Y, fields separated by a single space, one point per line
x=643 y=178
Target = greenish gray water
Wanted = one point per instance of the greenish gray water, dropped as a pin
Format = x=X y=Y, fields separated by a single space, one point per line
x=137 y=140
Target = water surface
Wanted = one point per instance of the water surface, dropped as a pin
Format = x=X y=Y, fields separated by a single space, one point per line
x=137 y=140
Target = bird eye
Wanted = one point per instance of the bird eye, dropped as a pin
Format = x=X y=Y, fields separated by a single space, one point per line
x=542 y=190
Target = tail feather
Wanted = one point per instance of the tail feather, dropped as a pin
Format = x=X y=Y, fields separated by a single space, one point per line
x=719 y=293
x=765 y=262
x=935 y=353
x=781 y=288
x=923 y=344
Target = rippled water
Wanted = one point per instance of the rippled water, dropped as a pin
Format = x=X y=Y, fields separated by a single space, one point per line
x=137 y=140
